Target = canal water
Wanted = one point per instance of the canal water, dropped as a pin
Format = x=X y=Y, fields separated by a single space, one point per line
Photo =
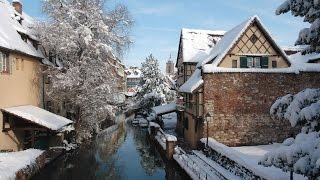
x=122 y=154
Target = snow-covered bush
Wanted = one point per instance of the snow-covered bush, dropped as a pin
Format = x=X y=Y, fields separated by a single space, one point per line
x=82 y=39
x=310 y=10
x=302 y=153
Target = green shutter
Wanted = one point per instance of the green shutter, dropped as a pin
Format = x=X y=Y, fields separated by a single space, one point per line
x=264 y=63
x=243 y=62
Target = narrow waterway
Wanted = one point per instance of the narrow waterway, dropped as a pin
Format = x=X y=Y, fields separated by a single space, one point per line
x=122 y=154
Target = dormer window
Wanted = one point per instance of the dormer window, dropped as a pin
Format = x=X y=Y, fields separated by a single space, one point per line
x=4 y=63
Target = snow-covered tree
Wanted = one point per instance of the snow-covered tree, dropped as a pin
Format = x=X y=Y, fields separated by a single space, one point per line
x=310 y=10
x=302 y=153
x=84 y=39
x=153 y=90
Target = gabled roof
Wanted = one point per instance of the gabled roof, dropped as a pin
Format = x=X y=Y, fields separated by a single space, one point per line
x=10 y=28
x=39 y=116
x=196 y=44
x=231 y=38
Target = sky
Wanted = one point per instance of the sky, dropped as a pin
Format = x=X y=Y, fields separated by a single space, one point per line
x=158 y=23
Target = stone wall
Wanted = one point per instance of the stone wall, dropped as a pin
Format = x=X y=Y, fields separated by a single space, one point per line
x=240 y=103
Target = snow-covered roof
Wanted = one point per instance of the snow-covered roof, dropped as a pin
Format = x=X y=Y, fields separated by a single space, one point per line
x=197 y=44
x=165 y=108
x=229 y=40
x=39 y=116
x=302 y=62
x=133 y=72
x=9 y=28
x=12 y=162
x=294 y=48
x=193 y=82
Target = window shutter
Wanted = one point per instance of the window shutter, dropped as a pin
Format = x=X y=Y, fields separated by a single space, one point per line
x=264 y=62
x=243 y=62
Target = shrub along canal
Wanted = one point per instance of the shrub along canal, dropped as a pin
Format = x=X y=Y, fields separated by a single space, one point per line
x=122 y=154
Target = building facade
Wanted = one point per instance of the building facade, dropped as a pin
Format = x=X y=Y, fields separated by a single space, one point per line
x=194 y=45
x=22 y=85
x=230 y=93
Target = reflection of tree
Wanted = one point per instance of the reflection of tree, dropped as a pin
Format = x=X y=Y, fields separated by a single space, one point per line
x=109 y=143
x=150 y=159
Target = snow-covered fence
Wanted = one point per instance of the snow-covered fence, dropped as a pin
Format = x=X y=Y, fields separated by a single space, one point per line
x=193 y=168
x=166 y=141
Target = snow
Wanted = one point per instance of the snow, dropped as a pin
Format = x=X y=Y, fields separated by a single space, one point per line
x=164 y=108
x=9 y=27
x=169 y=121
x=301 y=62
x=200 y=167
x=160 y=137
x=249 y=156
x=143 y=122
x=171 y=137
x=12 y=162
x=209 y=68
x=193 y=82
x=228 y=41
x=133 y=72
x=152 y=124
x=39 y=116
x=197 y=44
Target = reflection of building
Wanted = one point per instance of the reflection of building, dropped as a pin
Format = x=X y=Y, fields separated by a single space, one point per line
x=234 y=87
x=134 y=77
x=24 y=125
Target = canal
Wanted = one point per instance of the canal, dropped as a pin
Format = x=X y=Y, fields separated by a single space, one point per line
x=122 y=154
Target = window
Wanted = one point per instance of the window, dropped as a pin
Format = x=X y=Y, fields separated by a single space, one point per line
x=274 y=64
x=253 y=62
x=17 y=64
x=234 y=64
x=186 y=123
x=4 y=63
x=22 y=64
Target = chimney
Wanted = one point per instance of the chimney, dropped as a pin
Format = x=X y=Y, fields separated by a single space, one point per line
x=17 y=5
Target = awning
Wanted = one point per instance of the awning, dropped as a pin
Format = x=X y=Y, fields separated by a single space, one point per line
x=38 y=116
x=165 y=109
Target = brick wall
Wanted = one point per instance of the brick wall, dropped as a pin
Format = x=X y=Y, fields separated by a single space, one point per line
x=240 y=105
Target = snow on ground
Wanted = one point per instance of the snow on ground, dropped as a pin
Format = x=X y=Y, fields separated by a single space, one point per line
x=12 y=162
x=169 y=121
x=249 y=156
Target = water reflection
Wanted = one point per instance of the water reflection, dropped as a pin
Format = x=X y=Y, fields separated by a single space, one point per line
x=123 y=154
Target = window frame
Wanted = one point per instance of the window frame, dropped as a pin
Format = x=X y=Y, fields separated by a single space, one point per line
x=234 y=63
x=4 y=62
